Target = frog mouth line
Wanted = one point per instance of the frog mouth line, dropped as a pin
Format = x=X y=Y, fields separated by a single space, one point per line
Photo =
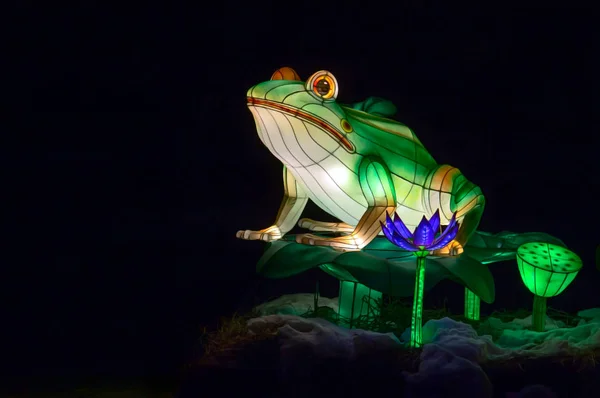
x=290 y=110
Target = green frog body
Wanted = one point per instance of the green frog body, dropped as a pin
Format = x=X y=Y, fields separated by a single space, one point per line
x=354 y=162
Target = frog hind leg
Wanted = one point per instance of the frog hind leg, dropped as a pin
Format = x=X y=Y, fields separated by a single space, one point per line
x=323 y=226
x=379 y=192
x=450 y=192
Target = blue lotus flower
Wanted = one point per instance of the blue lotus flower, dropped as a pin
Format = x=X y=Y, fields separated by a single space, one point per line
x=424 y=238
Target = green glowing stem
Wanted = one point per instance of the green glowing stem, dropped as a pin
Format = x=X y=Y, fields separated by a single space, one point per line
x=472 y=303
x=316 y=298
x=416 y=326
x=539 y=313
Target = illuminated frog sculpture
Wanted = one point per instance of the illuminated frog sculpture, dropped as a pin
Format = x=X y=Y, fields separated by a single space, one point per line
x=355 y=163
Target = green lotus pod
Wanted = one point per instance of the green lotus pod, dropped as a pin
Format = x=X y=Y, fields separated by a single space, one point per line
x=547 y=269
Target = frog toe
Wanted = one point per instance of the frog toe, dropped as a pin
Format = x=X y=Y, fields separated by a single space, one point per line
x=243 y=234
x=268 y=234
x=454 y=248
x=306 y=239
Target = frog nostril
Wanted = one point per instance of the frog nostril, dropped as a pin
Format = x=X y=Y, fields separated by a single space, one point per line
x=285 y=73
x=346 y=126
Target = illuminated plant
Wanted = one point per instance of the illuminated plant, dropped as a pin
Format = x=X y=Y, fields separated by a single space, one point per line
x=546 y=270
x=357 y=300
x=421 y=242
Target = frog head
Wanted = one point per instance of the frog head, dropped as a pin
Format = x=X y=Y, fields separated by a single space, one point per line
x=300 y=122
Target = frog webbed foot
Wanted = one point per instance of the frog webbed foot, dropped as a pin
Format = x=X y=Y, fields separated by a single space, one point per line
x=454 y=248
x=340 y=243
x=267 y=234
x=322 y=226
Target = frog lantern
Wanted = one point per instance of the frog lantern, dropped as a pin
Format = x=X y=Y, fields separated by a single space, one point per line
x=355 y=163
x=359 y=165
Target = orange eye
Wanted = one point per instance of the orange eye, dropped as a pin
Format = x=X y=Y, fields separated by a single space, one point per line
x=323 y=84
x=324 y=87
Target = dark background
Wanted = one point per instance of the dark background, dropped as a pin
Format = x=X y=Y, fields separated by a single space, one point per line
x=136 y=159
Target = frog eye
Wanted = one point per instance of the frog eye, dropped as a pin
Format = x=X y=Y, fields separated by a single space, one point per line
x=323 y=85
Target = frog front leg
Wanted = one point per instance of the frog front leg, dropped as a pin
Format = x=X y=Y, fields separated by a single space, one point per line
x=294 y=201
x=378 y=189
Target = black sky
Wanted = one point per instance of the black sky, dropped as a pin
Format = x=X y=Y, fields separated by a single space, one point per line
x=136 y=159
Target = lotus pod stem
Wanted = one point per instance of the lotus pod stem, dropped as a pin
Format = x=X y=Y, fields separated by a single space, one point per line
x=472 y=304
x=539 y=313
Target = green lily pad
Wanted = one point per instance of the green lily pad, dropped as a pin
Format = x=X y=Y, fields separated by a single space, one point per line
x=386 y=268
x=380 y=266
x=491 y=248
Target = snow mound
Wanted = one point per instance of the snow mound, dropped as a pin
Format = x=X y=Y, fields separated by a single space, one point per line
x=295 y=304
x=453 y=351
x=591 y=314
x=317 y=337
x=307 y=342
x=533 y=391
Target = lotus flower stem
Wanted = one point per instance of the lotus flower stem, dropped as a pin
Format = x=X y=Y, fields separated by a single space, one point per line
x=316 y=298
x=472 y=303
x=423 y=240
x=539 y=313
x=416 y=327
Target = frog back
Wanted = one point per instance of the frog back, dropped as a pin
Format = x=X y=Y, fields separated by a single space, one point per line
x=393 y=142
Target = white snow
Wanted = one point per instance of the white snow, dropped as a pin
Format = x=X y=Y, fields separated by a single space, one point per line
x=453 y=351
x=295 y=304
x=304 y=342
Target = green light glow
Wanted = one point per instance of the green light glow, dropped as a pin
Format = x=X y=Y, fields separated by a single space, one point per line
x=546 y=270
x=472 y=303
x=416 y=326
x=354 y=301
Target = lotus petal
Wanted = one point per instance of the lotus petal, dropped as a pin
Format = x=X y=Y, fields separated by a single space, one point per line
x=401 y=228
x=434 y=221
x=424 y=235
x=387 y=231
x=445 y=238
x=452 y=221
x=388 y=222
x=403 y=243
x=396 y=239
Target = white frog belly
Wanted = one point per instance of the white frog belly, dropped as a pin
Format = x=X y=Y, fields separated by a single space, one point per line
x=334 y=187
x=337 y=191
x=326 y=171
